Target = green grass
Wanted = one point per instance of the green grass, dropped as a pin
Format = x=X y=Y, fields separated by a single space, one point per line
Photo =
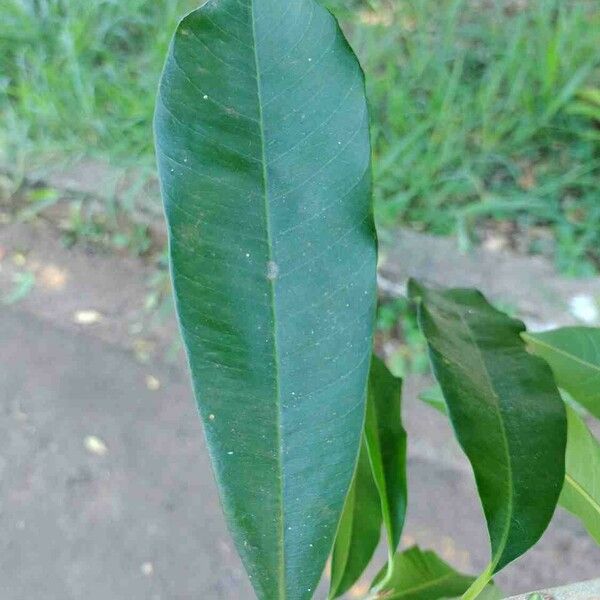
x=470 y=102
x=78 y=77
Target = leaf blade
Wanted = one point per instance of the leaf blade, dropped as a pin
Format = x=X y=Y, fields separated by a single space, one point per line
x=386 y=443
x=573 y=353
x=359 y=529
x=581 y=492
x=264 y=159
x=422 y=575
x=380 y=483
x=492 y=385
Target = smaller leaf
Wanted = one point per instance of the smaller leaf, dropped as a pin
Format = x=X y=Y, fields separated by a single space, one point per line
x=359 y=529
x=506 y=412
x=581 y=492
x=378 y=491
x=435 y=398
x=422 y=575
x=386 y=443
x=573 y=353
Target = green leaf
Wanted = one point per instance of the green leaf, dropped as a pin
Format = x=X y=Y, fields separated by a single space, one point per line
x=581 y=492
x=506 y=411
x=422 y=575
x=573 y=353
x=379 y=494
x=386 y=442
x=262 y=143
x=435 y=398
x=359 y=529
x=379 y=487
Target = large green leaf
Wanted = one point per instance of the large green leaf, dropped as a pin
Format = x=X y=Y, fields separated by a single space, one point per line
x=359 y=529
x=581 y=492
x=506 y=411
x=573 y=353
x=422 y=575
x=386 y=442
x=262 y=142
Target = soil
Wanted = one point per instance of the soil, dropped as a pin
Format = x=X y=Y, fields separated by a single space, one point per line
x=106 y=484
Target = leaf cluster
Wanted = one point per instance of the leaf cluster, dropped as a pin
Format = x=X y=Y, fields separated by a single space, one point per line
x=263 y=150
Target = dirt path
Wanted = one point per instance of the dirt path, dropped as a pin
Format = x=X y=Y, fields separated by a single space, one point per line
x=106 y=486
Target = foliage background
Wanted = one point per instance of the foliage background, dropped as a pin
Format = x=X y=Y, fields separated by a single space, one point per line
x=476 y=124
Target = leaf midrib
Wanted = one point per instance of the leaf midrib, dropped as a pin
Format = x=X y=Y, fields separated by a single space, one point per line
x=583 y=492
x=271 y=284
x=564 y=353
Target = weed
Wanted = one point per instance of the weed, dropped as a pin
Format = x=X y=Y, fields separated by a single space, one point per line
x=399 y=338
x=109 y=228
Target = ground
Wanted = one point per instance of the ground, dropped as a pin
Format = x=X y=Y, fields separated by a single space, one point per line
x=107 y=488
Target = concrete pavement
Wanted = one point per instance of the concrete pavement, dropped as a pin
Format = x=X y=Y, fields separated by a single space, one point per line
x=105 y=485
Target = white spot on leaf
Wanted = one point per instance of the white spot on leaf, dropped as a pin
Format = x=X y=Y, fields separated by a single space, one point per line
x=272 y=270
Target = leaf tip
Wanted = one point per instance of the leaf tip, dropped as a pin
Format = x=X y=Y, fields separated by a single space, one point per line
x=415 y=290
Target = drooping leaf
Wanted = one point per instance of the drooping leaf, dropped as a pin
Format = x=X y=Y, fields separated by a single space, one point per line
x=581 y=492
x=379 y=493
x=262 y=142
x=386 y=442
x=359 y=529
x=422 y=575
x=573 y=353
x=506 y=411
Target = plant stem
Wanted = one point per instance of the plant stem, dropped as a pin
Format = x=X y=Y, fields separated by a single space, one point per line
x=479 y=584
